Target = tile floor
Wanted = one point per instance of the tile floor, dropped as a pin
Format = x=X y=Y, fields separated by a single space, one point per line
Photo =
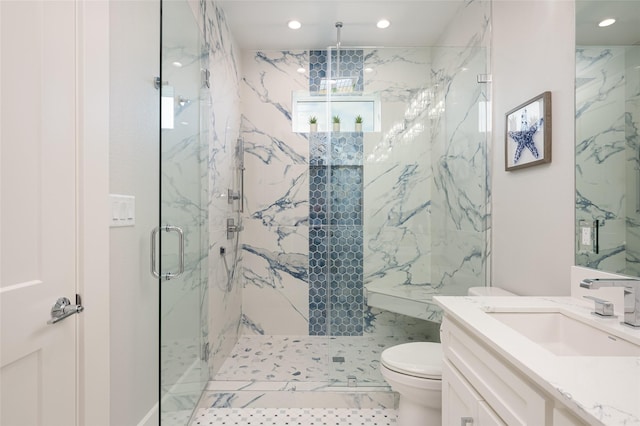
x=305 y=377
x=306 y=359
x=295 y=417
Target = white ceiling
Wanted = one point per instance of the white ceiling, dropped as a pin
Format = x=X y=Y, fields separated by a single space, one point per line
x=626 y=30
x=262 y=24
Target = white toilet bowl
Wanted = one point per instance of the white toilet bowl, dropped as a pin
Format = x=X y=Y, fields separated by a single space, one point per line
x=414 y=370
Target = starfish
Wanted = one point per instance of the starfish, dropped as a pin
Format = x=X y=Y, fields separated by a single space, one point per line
x=524 y=137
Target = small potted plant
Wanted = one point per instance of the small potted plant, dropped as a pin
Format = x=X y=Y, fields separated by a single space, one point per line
x=313 y=124
x=336 y=123
x=359 y=123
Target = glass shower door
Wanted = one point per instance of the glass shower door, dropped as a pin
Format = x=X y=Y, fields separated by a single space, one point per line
x=406 y=205
x=183 y=232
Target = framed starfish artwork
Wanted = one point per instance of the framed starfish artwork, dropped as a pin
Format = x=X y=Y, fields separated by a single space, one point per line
x=528 y=133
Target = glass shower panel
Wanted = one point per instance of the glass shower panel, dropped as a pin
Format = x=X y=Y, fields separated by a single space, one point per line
x=406 y=206
x=183 y=231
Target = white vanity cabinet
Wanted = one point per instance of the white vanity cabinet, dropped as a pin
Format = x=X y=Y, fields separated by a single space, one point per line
x=461 y=404
x=481 y=388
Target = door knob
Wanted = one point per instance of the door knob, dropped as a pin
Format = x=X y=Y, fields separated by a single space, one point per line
x=63 y=309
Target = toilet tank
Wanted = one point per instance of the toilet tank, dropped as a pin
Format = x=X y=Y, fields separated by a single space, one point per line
x=489 y=291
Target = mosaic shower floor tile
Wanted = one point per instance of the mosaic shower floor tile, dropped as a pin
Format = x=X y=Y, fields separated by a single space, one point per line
x=295 y=417
x=306 y=359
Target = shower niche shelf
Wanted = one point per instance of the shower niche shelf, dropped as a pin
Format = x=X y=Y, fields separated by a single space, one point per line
x=326 y=106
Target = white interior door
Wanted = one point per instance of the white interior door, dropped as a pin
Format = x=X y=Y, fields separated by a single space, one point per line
x=37 y=211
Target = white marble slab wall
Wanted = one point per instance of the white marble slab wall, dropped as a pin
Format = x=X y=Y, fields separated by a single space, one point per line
x=460 y=134
x=428 y=170
x=275 y=239
x=601 y=153
x=632 y=135
x=397 y=170
x=460 y=217
x=221 y=128
x=276 y=243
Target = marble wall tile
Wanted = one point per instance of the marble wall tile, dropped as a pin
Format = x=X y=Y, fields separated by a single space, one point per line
x=417 y=154
x=397 y=174
x=275 y=294
x=461 y=195
x=632 y=135
x=601 y=151
x=275 y=240
x=269 y=79
x=220 y=127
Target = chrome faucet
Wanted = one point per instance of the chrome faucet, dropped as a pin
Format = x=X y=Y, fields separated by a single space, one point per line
x=631 y=295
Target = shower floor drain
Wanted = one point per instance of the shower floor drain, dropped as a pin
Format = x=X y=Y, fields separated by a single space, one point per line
x=338 y=359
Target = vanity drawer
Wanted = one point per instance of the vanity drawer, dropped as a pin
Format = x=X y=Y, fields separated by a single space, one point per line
x=507 y=392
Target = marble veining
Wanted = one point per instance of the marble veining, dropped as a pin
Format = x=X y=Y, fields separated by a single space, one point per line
x=220 y=129
x=386 y=216
x=598 y=389
x=607 y=119
x=421 y=199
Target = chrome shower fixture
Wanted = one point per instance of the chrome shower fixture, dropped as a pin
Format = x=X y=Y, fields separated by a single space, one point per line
x=339 y=35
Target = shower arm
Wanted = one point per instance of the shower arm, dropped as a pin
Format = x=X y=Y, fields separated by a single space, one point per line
x=338 y=43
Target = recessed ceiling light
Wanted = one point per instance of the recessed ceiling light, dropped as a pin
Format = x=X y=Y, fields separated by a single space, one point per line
x=607 y=22
x=294 y=25
x=302 y=70
x=177 y=64
x=383 y=23
x=368 y=69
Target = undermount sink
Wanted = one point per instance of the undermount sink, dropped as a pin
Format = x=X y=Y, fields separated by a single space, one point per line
x=565 y=336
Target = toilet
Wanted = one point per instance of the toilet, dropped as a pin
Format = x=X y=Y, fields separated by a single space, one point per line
x=414 y=370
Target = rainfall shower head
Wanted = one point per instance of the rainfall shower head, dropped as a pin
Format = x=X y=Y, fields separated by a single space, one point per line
x=338 y=83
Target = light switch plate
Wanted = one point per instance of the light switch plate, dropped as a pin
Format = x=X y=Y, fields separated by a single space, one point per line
x=123 y=210
x=588 y=236
x=585 y=235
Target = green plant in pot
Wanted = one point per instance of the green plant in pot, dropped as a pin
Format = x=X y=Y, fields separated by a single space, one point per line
x=313 y=123
x=358 y=123
x=336 y=123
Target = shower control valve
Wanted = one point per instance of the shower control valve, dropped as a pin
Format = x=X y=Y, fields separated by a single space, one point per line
x=232 y=228
x=232 y=195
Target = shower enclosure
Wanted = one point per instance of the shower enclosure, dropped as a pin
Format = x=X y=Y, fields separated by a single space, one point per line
x=399 y=209
x=341 y=236
x=182 y=237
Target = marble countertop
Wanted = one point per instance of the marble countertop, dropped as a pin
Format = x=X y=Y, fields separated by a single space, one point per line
x=598 y=389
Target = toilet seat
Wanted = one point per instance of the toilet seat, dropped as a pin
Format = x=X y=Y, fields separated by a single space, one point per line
x=418 y=359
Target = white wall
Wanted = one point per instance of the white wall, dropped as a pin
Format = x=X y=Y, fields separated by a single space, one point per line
x=134 y=61
x=533 y=208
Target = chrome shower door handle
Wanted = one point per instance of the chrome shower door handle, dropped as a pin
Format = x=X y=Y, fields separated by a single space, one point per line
x=154 y=234
x=177 y=229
